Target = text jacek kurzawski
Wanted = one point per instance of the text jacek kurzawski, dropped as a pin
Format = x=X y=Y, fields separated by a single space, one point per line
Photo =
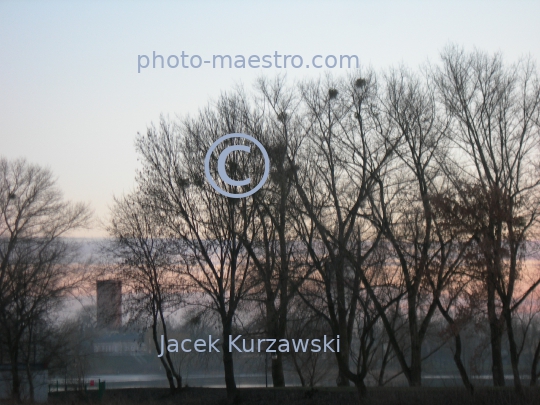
x=252 y=345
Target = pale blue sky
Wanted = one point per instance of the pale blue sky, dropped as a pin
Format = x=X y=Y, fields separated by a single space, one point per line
x=71 y=98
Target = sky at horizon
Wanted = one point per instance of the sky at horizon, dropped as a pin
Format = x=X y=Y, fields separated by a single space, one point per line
x=71 y=98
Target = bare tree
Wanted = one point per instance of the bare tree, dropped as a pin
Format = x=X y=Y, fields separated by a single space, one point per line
x=494 y=110
x=346 y=146
x=427 y=255
x=209 y=228
x=273 y=246
x=145 y=263
x=35 y=269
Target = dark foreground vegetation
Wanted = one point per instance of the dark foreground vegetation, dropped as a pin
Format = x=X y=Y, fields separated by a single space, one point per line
x=320 y=396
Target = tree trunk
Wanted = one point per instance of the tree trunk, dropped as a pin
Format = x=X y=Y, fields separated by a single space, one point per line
x=495 y=330
x=384 y=362
x=416 y=364
x=361 y=389
x=278 y=377
x=514 y=355
x=457 y=354
x=298 y=370
x=30 y=382
x=15 y=383
x=534 y=367
x=415 y=377
x=175 y=375
x=228 y=364
x=343 y=359
x=344 y=373
x=342 y=380
x=497 y=368
x=170 y=378
x=275 y=331
x=28 y=356
x=277 y=365
x=15 y=378
x=461 y=367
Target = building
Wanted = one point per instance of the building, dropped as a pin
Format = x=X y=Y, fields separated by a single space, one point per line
x=109 y=304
